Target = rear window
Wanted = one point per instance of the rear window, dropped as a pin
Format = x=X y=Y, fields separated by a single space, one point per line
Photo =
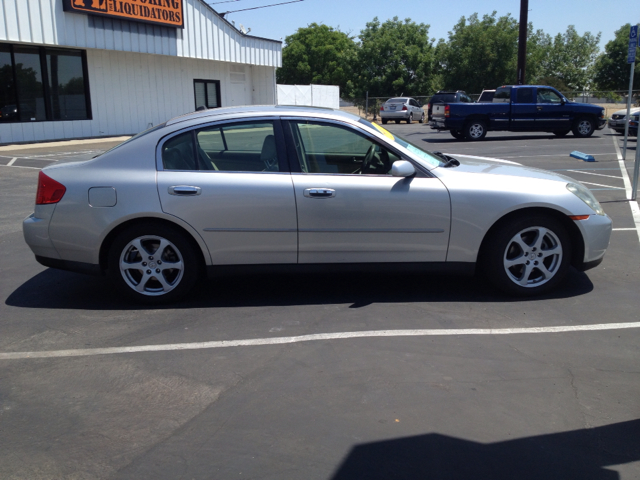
x=502 y=95
x=444 y=98
x=397 y=100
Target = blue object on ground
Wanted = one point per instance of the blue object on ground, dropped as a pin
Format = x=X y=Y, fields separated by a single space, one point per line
x=582 y=156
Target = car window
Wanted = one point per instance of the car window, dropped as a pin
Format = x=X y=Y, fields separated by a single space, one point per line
x=525 y=95
x=178 y=153
x=502 y=95
x=444 y=98
x=240 y=147
x=329 y=148
x=548 y=96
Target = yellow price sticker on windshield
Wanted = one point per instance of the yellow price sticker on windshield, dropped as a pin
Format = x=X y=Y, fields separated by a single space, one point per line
x=383 y=131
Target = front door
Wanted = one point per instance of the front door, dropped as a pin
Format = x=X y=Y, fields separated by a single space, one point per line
x=552 y=114
x=229 y=182
x=351 y=210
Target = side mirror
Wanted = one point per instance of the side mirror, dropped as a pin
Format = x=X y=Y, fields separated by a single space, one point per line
x=402 y=168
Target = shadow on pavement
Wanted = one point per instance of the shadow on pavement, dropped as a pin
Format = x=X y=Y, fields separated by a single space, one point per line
x=579 y=454
x=60 y=289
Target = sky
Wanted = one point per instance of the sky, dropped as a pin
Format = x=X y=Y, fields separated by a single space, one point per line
x=350 y=16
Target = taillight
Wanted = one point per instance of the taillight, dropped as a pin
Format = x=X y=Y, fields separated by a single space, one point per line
x=49 y=191
x=404 y=107
x=447 y=111
x=382 y=108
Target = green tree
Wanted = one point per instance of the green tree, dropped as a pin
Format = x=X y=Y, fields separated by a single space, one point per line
x=320 y=55
x=569 y=59
x=395 y=58
x=480 y=53
x=611 y=68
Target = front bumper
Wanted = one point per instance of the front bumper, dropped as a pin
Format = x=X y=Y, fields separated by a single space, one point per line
x=596 y=232
x=602 y=122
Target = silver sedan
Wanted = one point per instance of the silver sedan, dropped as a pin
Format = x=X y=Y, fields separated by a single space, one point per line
x=301 y=188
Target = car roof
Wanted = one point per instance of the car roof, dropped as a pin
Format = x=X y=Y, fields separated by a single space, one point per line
x=211 y=114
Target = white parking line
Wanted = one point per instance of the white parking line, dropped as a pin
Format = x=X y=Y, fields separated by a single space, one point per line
x=635 y=210
x=315 y=337
x=12 y=161
x=600 y=185
x=20 y=166
x=591 y=173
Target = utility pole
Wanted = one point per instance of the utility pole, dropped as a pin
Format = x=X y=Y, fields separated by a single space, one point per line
x=522 y=41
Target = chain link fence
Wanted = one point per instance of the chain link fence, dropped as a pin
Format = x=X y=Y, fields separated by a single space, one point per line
x=611 y=101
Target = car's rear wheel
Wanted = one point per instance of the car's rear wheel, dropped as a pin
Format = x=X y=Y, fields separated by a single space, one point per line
x=384 y=121
x=410 y=119
x=457 y=134
x=528 y=256
x=561 y=133
x=397 y=121
x=475 y=130
x=153 y=263
x=583 y=127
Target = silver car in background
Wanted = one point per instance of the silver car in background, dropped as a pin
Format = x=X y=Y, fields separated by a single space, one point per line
x=300 y=188
x=618 y=119
x=402 y=108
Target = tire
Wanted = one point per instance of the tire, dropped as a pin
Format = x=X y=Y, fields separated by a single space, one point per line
x=475 y=130
x=457 y=134
x=583 y=127
x=410 y=119
x=384 y=121
x=514 y=254
x=397 y=121
x=170 y=260
x=421 y=118
x=561 y=133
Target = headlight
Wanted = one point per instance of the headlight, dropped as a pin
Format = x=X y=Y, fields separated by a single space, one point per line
x=584 y=194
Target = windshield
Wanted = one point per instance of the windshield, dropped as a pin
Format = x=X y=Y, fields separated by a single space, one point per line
x=424 y=155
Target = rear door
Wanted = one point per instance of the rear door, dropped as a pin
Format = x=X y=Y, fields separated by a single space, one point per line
x=231 y=182
x=523 y=109
x=351 y=210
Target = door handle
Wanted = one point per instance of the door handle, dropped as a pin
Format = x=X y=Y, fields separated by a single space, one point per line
x=539 y=108
x=319 y=192
x=185 y=190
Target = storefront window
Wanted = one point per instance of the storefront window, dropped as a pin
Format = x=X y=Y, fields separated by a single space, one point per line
x=40 y=84
x=8 y=100
x=66 y=82
x=30 y=87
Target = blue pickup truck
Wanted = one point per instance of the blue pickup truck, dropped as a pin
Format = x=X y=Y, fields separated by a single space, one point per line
x=519 y=108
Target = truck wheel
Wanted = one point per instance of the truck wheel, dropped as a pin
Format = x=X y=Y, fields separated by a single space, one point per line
x=561 y=133
x=475 y=130
x=583 y=128
x=457 y=134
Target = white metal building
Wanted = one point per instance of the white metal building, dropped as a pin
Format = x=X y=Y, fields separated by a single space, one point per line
x=78 y=74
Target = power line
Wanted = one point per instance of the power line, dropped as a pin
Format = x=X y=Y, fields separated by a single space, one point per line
x=255 y=8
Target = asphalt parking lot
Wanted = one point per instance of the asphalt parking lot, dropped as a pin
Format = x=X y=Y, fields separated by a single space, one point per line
x=356 y=377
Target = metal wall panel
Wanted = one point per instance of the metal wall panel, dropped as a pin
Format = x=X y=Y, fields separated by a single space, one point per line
x=205 y=36
x=131 y=92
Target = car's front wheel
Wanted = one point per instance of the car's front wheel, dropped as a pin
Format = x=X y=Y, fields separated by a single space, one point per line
x=153 y=263
x=410 y=119
x=528 y=256
x=584 y=127
x=421 y=118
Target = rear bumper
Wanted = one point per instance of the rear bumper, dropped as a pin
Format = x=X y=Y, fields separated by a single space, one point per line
x=402 y=115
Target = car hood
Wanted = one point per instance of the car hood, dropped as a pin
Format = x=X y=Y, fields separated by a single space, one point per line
x=624 y=111
x=495 y=166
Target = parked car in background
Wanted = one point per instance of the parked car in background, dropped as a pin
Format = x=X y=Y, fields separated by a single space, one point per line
x=264 y=188
x=520 y=108
x=442 y=97
x=618 y=119
x=402 y=108
x=633 y=124
x=486 y=96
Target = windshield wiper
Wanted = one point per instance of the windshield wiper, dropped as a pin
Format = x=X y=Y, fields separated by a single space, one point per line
x=448 y=161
